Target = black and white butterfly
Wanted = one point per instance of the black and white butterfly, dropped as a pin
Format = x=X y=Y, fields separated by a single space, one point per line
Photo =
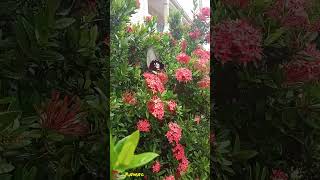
x=154 y=64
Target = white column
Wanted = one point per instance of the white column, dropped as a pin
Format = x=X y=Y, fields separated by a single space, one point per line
x=143 y=11
x=166 y=7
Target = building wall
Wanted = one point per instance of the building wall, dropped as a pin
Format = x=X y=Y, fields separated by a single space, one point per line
x=158 y=8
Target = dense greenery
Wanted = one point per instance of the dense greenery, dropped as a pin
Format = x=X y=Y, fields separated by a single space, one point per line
x=132 y=98
x=53 y=47
x=270 y=105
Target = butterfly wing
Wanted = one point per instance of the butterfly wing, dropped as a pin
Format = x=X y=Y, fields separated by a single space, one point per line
x=150 y=56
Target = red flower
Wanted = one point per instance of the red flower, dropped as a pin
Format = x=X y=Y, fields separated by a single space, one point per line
x=183 y=58
x=195 y=34
x=143 y=125
x=237 y=41
x=202 y=65
x=178 y=152
x=299 y=70
x=183 y=75
x=156 y=107
x=205 y=11
x=156 y=167
x=276 y=10
x=204 y=82
x=153 y=82
x=148 y=19
x=183 y=165
x=63 y=116
x=183 y=46
x=202 y=53
x=201 y=17
x=174 y=133
x=197 y=119
x=172 y=105
x=129 y=98
x=129 y=29
x=295 y=21
x=163 y=77
x=315 y=26
x=279 y=175
x=169 y=178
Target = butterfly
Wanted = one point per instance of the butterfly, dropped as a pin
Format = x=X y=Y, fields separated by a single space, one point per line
x=154 y=64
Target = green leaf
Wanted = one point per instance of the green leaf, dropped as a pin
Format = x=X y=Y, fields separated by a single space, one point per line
x=113 y=153
x=55 y=136
x=5 y=176
x=244 y=155
x=274 y=36
x=52 y=6
x=236 y=147
x=6 y=118
x=64 y=22
x=6 y=167
x=22 y=38
x=264 y=174
x=51 y=56
x=127 y=151
x=142 y=159
x=93 y=35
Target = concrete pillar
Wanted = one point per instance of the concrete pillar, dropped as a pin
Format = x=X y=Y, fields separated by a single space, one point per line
x=166 y=7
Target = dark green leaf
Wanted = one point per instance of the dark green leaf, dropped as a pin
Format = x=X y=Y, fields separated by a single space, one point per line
x=64 y=23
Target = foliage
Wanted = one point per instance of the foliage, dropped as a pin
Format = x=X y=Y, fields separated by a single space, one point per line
x=175 y=24
x=123 y=157
x=132 y=101
x=267 y=104
x=52 y=45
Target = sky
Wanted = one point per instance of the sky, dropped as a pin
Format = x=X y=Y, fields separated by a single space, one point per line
x=188 y=5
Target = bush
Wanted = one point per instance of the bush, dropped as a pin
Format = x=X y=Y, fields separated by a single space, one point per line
x=158 y=104
x=266 y=60
x=52 y=47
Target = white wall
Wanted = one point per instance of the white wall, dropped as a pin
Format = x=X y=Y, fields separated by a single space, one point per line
x=141 y=12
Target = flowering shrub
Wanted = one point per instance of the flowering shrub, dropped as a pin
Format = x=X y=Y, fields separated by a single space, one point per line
x=53 y=105
x=266 y=89
x=162 y=104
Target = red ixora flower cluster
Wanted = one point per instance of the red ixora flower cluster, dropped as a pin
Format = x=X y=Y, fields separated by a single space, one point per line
x=143 y=125
x=183 y=75
x=237 y=3
x=174 y=136
x=194 y=35
x=291 y=13
x=300 y=70
x=169 y=178
x=204 y=13
x=183 y=46
x=204 y=83
x=183 y=58
x=279 y=175
x=172 y=106
x=200 y=53
x=63 y=116
x=156 y=107
x=174 y=133
x=238 y=41
x=129 y=98
x=156 y=167
x=154 y=82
